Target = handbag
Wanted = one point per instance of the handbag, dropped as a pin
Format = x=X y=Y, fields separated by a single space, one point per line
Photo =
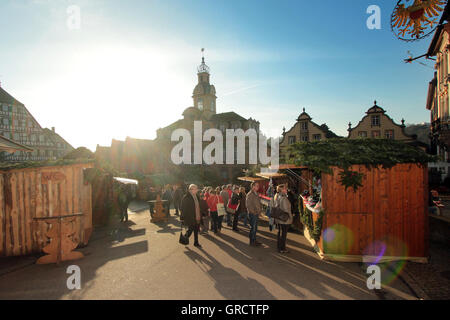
x=221 y=209
x=279 y=214
x=232 y=208
x=183 y=239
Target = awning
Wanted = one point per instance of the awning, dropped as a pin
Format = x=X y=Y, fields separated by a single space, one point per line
x=273 y=175
x=250 y=179
x=288 y=166
x=126 y=181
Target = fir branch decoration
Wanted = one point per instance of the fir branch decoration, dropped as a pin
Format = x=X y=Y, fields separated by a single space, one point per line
x=321 y=156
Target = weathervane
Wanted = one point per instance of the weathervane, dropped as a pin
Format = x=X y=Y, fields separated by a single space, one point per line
x=203 y=67
x=416 y=21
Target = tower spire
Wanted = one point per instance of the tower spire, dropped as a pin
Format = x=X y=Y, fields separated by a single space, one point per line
x=203 y=68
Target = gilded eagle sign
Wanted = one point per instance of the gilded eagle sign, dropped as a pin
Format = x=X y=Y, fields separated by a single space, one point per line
x=413 y=20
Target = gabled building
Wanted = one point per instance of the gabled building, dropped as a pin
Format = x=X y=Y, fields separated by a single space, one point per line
x=304 y=130
x=438 y=98
x=19 y=125
x=377 y=124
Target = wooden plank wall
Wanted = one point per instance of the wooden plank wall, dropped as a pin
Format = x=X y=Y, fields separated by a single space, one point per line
x=391 y=207
x=41 y=192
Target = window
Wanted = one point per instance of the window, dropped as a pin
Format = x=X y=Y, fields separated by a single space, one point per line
x=6 y=121
x=375 y=121
x=389 y=134
x=362 y=134
x=291 y=139
x=305 y=138
x=317 y=137
x=304 y=126
x=5 y=108
x=213 y=106
x=376 y=134
x=200 y=103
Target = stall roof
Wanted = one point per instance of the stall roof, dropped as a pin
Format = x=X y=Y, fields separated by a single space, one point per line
x=250 y=179
x=289 y=166
x=125 y=180
x=268 y=175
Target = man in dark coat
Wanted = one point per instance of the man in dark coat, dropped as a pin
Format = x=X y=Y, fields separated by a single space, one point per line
x=191 y=213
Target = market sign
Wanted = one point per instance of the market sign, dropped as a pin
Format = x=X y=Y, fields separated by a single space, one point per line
x=413 y=20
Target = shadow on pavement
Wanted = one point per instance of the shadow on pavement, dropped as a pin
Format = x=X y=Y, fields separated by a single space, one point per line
x=293 y=270
x=248 y=289
x=52 y=279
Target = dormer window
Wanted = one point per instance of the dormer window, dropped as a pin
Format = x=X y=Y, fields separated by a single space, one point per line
x=375 y=120
x=304 y=126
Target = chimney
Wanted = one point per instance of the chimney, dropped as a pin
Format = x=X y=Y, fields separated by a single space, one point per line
x=53 y=129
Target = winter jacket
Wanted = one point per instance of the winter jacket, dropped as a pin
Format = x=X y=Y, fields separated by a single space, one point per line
x=284 y=204
x=253 y=203
x=225 y=197
x=188 y=210
x=213 y=200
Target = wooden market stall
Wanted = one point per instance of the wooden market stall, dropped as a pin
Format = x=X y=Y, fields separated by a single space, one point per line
x=42 y=203
x=384 y=220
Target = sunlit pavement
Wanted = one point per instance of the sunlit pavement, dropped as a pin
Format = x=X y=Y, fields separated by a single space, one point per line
x=142 y=260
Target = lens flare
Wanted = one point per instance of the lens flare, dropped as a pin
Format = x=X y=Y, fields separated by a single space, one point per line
x=389 y=254
x=338 y=239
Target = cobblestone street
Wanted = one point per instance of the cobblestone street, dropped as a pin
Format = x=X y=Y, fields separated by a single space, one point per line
x=433 y=278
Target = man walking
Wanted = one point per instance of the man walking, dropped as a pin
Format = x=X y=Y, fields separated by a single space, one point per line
x=254 y=209
x=225 y=197
x=190 y=213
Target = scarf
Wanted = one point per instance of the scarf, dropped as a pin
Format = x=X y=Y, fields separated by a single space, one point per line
x=197 y=208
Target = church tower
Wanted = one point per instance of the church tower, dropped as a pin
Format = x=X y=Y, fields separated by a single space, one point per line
x=204 y=94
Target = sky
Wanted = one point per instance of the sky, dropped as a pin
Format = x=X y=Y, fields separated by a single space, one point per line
x=131 y=66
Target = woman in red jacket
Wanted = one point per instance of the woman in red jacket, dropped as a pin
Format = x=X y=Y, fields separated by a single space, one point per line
x=213 y=200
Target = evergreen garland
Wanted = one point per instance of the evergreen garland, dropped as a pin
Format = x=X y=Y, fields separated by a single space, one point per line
x=4 y=166
x=315 y=229
x=321 y=156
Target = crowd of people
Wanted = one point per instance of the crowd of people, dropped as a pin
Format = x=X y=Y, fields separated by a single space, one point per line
x=207 y=209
